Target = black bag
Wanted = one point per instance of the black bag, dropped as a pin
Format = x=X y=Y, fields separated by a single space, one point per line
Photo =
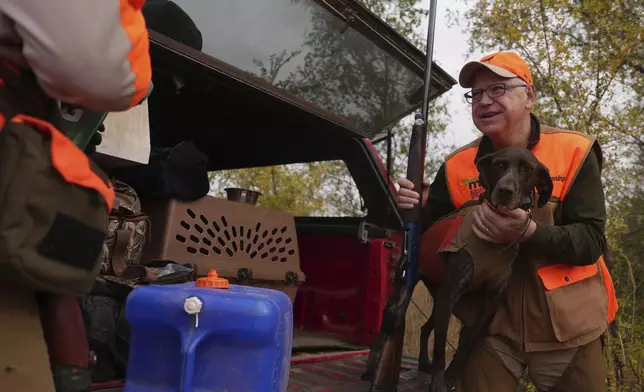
x=179 y=173
x=108 y=335
x=108 y=332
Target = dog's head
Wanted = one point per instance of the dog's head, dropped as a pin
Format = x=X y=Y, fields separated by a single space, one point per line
x=510 y=176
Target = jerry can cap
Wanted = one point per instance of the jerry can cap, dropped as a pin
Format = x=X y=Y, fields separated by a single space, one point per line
x=212 y=281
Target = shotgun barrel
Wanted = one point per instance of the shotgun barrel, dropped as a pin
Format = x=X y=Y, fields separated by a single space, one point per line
x=383 y=365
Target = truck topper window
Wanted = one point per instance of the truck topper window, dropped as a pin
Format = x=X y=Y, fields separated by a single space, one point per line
x=322 y=189
x=304 y=49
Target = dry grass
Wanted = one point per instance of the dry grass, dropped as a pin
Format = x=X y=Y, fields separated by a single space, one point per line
x=415 y=320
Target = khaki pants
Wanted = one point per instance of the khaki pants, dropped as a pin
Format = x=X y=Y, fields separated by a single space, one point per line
x=495 y=366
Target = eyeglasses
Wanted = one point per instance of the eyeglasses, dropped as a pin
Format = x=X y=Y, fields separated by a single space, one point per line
x=493 y=91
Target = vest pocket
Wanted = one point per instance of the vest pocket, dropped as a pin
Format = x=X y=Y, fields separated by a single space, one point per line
x=560 y=275
x=576 y=299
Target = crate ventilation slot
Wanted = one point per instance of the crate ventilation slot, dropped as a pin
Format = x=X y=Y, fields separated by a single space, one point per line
x=205 y=236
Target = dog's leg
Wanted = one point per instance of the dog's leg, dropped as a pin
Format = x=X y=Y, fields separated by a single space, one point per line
x=470 y=336
x=465 y=345
x=423 y=356
x=458 y=272
x=425 y=331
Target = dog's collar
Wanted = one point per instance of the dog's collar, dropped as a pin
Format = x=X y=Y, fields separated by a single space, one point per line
x=489 y=203
x=527 y=203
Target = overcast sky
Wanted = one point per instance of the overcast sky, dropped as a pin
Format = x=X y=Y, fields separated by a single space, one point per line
x=450 y=49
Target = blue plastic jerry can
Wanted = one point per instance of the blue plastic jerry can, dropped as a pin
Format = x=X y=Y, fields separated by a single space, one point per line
x=208 y=336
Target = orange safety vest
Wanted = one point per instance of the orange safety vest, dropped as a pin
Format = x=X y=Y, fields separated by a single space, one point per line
x=563 y=153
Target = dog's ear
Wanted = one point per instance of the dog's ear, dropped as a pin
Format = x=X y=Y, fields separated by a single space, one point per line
x=483 y=167
x=544 y=185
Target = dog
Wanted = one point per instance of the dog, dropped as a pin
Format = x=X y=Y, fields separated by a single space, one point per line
x=510 y=178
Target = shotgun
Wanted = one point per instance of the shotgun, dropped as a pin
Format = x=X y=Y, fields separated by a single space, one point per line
x=383 y=364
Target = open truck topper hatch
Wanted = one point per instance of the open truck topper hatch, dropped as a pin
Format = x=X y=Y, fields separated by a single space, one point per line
x=332 y=59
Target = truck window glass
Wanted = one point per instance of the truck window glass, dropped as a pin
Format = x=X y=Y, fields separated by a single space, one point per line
x=323 y=189
x=304 y=49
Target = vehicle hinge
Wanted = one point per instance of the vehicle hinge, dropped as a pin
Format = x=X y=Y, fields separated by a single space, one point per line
x=368 y=231
x=363 y=232
x=349 y=17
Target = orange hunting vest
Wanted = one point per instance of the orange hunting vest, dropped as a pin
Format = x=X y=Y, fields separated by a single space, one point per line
x=563 y=152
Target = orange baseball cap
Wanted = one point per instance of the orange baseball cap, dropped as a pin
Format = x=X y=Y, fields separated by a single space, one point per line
x=505 y=64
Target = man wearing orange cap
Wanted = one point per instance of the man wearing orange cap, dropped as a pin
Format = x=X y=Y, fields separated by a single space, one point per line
x=560 y=297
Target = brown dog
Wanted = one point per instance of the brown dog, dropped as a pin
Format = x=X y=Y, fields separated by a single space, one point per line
x=454 y=261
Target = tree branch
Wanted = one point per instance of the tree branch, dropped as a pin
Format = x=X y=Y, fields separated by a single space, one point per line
x=638 y=67
x=544 y=28
x=553 y=93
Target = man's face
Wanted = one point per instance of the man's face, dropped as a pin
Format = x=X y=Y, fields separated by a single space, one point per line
x=495 y=116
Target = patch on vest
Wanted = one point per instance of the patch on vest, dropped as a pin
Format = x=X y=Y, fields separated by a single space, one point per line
x=474 y=187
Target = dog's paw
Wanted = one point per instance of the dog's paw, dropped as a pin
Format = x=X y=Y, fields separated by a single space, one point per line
x=436 y=388
x=450 y=379
x=438 y=383
x=424 y=366
x=451 y=385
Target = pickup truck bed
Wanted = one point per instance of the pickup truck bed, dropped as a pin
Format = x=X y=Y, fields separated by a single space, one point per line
x=335 y=372
x=322 y=364
x=340 y=372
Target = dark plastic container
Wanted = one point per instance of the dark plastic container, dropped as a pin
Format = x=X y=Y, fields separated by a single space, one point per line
x=240 y=340
x=241 y=195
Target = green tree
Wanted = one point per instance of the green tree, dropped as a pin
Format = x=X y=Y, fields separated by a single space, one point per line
x=295 y=188
x=586 y=59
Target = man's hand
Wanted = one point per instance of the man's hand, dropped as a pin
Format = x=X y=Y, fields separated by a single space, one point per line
x=503 y=226
x=407 y=198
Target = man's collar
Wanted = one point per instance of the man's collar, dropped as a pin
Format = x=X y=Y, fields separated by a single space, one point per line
x=486 y=146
